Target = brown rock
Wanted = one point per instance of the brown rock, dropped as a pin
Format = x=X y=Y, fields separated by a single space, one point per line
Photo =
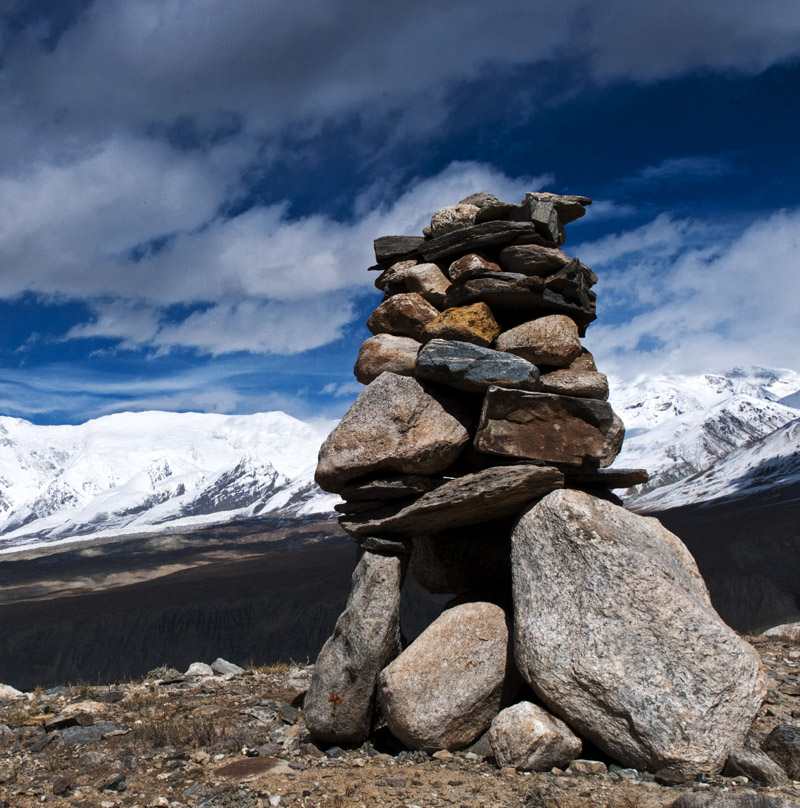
x=404 y=315
x=755 y=765
x=580 y=383
x=551 y=340
x=394 y=279
x=569 y=207
x=473 y=323
x=528 y=738
x=470 y=264
x=450 y=218
x=478 y=497
x=553 y=429
x=394 y=425
x=444 y=690
x=401 y=486
x=532 y=259
x=428 y=281
x=480 y=236
x=386 y=352
x=480 y=200
x=584 y=361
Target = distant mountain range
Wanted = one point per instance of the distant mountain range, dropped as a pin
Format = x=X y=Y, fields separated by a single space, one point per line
x=703 y=438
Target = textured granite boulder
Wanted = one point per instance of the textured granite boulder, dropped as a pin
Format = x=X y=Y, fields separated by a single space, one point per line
x=578 y=383
x=783 y=746
x=469 y=265
x=444 y=690
x=530 y=739
x=756 y=765
x=551 y=340
x=533 y=259
x=394 y=425
x=404 y=315
x=386 y=352
x=393 y=280
x=474 y=368
x=479 y=497
x=338 y=706
x=473 y=323
x=428 y=281
x=646 y=668
x=787 y=632
x=550 y=428
x=450 y=218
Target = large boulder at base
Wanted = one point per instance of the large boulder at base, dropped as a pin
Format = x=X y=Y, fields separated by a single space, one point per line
x=528 y=738
x=783 y=746
x=403 y=315
x=616 y=634
x=444 y=690
x=756 y=765
x=339 y=704
x=547 y=427
x=551 y=340
x=474 y=368
x=473 y=323
x=386 y=352
x=394 y=425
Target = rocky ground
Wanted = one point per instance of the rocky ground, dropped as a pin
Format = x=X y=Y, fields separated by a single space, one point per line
x=237 y=740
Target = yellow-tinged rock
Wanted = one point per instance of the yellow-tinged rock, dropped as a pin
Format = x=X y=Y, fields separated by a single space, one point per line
x=474 y=323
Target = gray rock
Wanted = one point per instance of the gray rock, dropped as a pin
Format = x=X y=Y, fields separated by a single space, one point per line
x=543 y=215
x=528 y=738
x=404 y=315
x=783 y=746
x=647 y=670
x=606 y=478
x=478 y=236
x=389 y=248
x=199 y=669
x=222 y=667
x=428 y=281
x=786 y=632
x=730 y=799
x=551 y=340
x=587 y=767
x=394 y=425
x=444 y=690
x=479 y=497
x=450 y=218
x=755 y=765
x=8 y=693
x=471 y=265
x=386 y=352
x=550 y=428
x=339 y=704
x=77 y=736
x=533 y=259
x=385 y=546
x=401 y=486
x=471 y=367
x=569 y=206
x=578 y=383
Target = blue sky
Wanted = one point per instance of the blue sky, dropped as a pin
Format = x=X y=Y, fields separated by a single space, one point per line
x=189 y=189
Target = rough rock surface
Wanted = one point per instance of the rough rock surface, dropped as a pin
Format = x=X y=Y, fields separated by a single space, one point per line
x=783 y=746
x=550 y=428
x=479 y=497
x=386 y=352
x=551 y=340
x=400 y=486
x=532 y=259
x=450 y=218
x=646 y=670
x=338 y=706
x=755 y=765
x=393 y=425
x=479 y=236
x=404 y=315
x=428 y=281
x=393 y=248
x=444 y=690
x=473 y=323
x=580 y=383
x=528 y=738
x=788 y=632
x=469 y=264
x=474 y=368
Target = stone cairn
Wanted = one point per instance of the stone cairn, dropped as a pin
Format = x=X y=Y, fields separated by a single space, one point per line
x=478 y=455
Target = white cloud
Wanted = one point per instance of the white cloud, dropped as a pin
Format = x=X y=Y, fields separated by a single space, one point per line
x=682 y=169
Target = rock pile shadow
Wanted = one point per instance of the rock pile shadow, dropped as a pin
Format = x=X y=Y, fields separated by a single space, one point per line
x=479 y=459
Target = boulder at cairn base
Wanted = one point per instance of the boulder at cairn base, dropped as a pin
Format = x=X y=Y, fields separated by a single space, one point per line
x=403 y=315
x=393 y=425
x=551 y=340
x=615 y=632
x=554 y=429
x=386 y=352
x=339 y=704
x=528 y=738
x=444 y=690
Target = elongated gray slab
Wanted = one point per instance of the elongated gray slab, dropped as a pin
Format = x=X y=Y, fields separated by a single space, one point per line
x=477 y=236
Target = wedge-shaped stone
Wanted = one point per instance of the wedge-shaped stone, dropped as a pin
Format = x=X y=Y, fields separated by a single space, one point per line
x=338 y=706
x=532 y=259
x=615 y=632
x=543 y=215
x=469 y=265
x=579 y=383
x=450 y=218
x=473 y=368
x=528 y=738
x=444 y=690
x=473 y=323
x=428 y=281
x=550 y=428
x=569 y=207
x=394 y=425
x=551 y=340
x=404 y=315
x=473 y=498
x=386 y=352
x=478 y=236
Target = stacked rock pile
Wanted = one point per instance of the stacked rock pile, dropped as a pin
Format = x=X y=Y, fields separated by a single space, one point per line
x=479 y=455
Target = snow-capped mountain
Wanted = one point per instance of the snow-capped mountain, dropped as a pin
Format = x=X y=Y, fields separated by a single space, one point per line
x=134 y=472
x=678 y=427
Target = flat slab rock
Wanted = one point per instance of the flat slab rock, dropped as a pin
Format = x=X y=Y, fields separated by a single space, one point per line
x=616 y=633
x=394 y=425
x=474 y=368
x=477 y=236
x=479 y=497
x=550 y=428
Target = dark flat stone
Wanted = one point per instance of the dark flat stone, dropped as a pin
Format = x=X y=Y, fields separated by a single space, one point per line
x=476 y=236
x=400 y=486
x=607 y=478
x=392 y=248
